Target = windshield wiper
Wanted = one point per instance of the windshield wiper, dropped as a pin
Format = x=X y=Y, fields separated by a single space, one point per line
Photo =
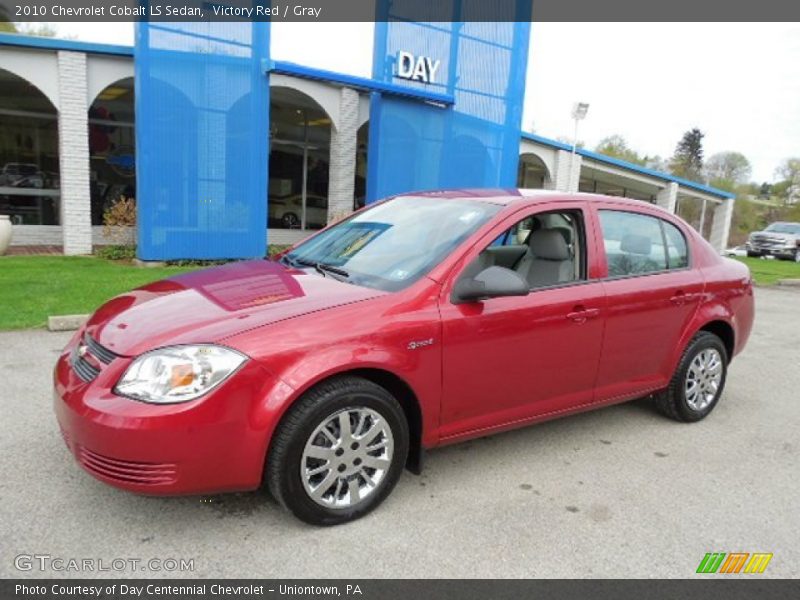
x=325 y=268
x=321 y=268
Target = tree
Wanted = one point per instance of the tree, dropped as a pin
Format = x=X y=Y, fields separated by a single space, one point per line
x=656 y=163
x=616 y=146
x=788 y=188
x=6 y=26
x=687 y=162
x=38 y=29
x=727 y=170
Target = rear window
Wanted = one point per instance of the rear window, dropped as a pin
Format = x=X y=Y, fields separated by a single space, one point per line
x=637 y=244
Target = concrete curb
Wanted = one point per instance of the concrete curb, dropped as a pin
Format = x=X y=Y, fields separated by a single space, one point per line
x=789 y=282
x=66 y=322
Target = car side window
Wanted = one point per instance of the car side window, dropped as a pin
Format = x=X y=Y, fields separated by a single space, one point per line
x=634 y=243
x=677 y=249
x=545 y=249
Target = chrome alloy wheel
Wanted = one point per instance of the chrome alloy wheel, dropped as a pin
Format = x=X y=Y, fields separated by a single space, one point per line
x=347 y=457
x=703 y=379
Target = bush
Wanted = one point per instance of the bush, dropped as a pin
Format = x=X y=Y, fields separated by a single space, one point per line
x=117 y=252
x=122 y=213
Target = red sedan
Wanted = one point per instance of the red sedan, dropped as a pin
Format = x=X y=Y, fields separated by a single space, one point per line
x=423 y=320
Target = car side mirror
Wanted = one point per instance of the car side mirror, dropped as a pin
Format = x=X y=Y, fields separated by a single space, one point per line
x=494 y=282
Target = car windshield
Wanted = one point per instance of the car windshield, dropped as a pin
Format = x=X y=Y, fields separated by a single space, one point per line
x=394 y=244
x=784 y=228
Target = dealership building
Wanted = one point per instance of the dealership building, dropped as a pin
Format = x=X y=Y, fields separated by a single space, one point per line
x=225 y=150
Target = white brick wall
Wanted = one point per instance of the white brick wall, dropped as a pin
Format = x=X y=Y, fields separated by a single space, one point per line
x=286 y=236
x=342 y=171
x=668 y=197
x=36 y=235
x=73 y=145
x=561 y=179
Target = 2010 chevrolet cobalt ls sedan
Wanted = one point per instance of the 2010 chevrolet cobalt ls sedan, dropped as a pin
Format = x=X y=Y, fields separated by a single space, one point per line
x=423 y=320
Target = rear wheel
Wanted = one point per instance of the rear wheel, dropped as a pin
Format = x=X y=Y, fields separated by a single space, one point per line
x=339 y=451
x=698 y=381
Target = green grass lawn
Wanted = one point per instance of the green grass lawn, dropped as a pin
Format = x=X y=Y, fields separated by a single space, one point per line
x=768 y=272
x=35 y=287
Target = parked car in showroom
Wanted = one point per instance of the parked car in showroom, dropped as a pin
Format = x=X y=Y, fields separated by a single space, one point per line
x=423 y=320
x=27 y=175
x=781 y=240
x=287 y=211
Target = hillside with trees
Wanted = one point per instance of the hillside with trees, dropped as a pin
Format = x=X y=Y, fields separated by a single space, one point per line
x=757 y=203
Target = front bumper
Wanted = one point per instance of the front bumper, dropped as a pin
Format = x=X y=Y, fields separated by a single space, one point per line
x=213 y=444
x=771 y=249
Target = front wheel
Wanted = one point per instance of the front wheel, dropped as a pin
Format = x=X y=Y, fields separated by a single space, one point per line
x=338 y=452
x=752 y=254
x=698 y=381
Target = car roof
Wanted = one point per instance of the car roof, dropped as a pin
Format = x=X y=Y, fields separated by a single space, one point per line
x=511 y=196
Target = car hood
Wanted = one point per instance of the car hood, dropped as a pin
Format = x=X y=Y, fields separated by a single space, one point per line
x=210 y=305
x=774 y=235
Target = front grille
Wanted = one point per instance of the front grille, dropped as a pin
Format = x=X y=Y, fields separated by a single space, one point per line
x=765 y=241
x=125 y=471
x=101 y=352
x=84 y=368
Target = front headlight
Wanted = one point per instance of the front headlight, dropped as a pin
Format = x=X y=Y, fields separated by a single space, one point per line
x=178 y=373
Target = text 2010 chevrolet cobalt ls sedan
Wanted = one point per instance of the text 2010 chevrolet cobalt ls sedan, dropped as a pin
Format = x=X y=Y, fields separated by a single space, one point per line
x=423 y=320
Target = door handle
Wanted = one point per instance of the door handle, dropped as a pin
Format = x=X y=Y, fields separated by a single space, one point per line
x=681 y=298
x=581 y=315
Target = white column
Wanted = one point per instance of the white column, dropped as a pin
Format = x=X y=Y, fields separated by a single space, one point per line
x=73 y=150
x=342 y=169
x=668 y=197
x=561 y=180
x=721 y=225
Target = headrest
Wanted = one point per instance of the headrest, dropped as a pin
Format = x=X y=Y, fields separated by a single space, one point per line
x=549 y=244
x=635 y=244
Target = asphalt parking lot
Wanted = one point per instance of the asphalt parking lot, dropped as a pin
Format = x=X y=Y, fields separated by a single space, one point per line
x=620 y=492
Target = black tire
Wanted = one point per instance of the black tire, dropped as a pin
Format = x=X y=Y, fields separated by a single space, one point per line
x=672 y=402
x=752 y=254
x=290 y=221
x=314 y=408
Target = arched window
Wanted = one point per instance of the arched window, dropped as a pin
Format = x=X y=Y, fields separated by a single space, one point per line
x=299 y=160
x=112 y=144
x=29 y=175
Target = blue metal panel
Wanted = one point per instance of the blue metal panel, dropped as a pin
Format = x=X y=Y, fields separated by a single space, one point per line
x=28 y=41
x=202 y=136
x=474 y=142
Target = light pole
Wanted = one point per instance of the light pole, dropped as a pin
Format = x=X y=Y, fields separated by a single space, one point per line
x=579 y=111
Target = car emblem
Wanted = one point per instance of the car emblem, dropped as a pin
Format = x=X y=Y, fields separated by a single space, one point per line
x=420 y=344
x=82 y=350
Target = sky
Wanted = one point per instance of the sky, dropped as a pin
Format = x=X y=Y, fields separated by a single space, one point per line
x=649 y=82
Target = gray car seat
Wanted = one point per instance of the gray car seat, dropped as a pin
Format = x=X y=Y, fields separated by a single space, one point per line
x=548 y=260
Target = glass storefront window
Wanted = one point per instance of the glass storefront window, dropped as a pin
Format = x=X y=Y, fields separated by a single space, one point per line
x=300 y=139
x=112 y=144
x=29 y=180
x=362 y=150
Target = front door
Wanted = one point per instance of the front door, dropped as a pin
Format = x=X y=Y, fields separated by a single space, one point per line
x=509 y=360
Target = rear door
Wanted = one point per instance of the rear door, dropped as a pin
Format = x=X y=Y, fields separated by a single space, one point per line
x=652 y=292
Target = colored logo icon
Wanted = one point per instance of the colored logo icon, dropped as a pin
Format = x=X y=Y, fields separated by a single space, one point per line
x=734 y=562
